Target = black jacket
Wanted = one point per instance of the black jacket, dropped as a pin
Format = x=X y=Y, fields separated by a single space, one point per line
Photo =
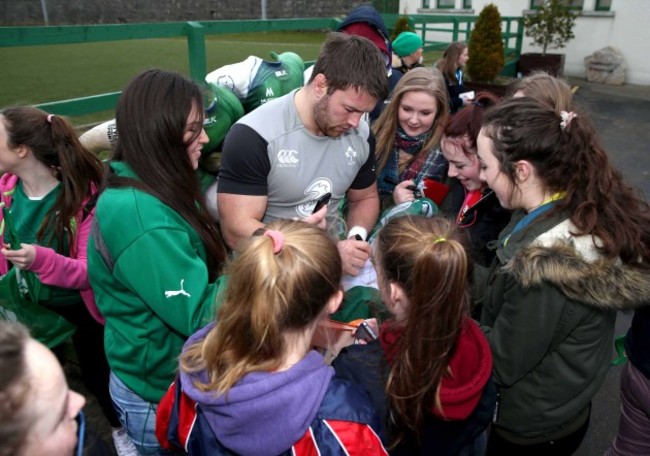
x=482 y=222
x=367 y=366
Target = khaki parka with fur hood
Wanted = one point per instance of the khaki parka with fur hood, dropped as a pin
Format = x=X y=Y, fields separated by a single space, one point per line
x=548 y=311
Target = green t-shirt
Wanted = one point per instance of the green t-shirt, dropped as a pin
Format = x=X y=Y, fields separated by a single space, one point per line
x=28 y=215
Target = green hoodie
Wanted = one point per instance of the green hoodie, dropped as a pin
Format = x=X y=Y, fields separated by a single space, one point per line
x=147 y=268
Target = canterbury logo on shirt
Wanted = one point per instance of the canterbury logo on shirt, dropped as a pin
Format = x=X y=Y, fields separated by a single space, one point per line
x=288 y=158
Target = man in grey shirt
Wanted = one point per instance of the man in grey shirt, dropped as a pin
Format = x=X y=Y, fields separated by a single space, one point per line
x=278 y=160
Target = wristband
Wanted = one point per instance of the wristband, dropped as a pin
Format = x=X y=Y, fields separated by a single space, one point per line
x=358 y=230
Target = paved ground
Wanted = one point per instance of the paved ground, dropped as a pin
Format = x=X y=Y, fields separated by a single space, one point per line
x=622 y=117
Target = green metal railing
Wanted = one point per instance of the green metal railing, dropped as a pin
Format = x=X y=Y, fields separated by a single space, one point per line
x=460 y=28
x=195 y=32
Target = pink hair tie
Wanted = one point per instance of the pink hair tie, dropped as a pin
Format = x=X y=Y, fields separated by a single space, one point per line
x=49 y=118
x=277 y=238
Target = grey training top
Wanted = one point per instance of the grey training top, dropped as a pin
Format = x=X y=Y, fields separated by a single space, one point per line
x=270 y=152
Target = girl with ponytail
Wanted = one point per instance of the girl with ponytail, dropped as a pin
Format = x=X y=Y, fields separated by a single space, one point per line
x=49 y=185
x=250 y=381
x=429 y=373
x=576 y=250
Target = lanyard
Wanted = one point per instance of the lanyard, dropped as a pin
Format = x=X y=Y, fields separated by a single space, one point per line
x=471 y=198
x=546 y=205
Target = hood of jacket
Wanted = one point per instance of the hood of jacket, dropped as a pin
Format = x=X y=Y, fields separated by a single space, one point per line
x=265 y=412
x=574 y=265
x=469 y=370
x=369 y=15
x=8 y=182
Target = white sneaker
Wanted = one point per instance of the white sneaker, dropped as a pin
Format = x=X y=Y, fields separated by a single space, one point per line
x=123 y=444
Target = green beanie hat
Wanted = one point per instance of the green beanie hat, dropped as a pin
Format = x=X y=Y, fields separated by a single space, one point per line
x=406 y=43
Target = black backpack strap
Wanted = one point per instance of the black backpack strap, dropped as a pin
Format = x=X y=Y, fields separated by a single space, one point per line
x=89 y=206
x=100 y=245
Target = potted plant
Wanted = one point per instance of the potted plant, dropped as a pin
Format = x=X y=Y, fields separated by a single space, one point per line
x=486 y=55
x=550 y=27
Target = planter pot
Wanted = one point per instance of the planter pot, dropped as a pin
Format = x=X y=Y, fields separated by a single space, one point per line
x=500 y=89
x=552 y=64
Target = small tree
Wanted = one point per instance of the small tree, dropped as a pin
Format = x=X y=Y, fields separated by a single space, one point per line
x=485 y=47
x=551 y=26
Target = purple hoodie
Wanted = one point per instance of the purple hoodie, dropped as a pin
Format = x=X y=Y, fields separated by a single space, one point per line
x=265 y=412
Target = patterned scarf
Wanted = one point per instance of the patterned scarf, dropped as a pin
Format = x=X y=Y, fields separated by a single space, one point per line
x=410 y=144
x=389 y=176
x=425 y=166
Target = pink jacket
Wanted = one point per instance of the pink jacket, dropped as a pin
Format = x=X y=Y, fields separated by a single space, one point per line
x=51 y=267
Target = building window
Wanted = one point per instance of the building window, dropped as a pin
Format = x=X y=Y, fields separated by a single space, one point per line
x=603 y=5
x=446 y=4
x=571 y=4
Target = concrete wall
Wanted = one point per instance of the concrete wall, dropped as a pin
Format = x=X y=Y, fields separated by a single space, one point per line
x=68 y=12
x=625 y=27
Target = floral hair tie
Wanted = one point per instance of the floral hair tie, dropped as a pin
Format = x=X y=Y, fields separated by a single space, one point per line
x=277 y=238
x=566 y=117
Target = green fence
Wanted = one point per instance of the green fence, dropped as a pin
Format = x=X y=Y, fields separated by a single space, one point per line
x=458 y=28
x=452 y=28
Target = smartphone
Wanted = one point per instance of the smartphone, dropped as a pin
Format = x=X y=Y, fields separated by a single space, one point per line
x=365 y=332
x=322 y=201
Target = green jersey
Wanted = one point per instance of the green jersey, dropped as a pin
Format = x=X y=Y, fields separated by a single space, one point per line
x=147 y=267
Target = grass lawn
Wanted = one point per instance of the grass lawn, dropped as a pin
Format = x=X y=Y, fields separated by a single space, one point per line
x=39 y=74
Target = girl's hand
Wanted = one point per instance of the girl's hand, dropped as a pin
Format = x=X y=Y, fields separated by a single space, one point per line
x=317 y=219
x=363 y=339
x=22 y=258
x=402 y=193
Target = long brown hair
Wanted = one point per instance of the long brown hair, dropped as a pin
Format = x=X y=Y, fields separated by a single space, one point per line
x=267 y=295
x=448 y=64
x=570 y=159
x=54 y=142
x=427 y=80
x=150 y=117
x=426 y=257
